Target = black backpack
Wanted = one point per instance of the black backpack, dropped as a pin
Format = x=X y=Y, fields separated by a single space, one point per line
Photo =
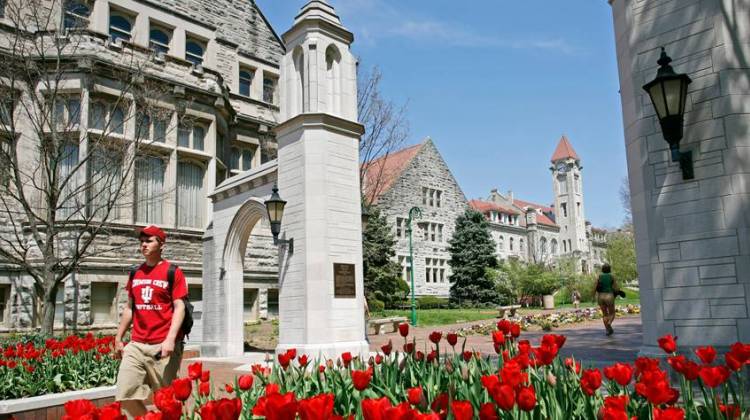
x=187 y=322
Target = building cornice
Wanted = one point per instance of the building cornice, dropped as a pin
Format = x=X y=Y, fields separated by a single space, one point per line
x=320 y=120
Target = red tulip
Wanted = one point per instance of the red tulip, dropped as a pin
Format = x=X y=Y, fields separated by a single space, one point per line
x=223 y=409
x=194 y=370
x=572 y=364
x=513 y=375
x=403 y=329
x=740 y=351
x=321 y=368
x=467 y=355
x=183 y=387
x=452 y=338
x=706 y=354
x=229 y=388
x=272 y=389
x=245 y=382
x=714 y=376
x=409 y=347
x=276 y=406
x=489 y=381
x=488 y=412
x=615 y=408
x=504 y=396
x=346 y=357
x=302 y=360
x=387 y=348
x=79 y=409
x=732 y=362
x=440 y=403
x=317 y=407
x=378 y=359
x=524 y=346
x=498 y=337
x=292 y=353
x=591 y=380
x=526 y=398
x=462 y=410
x=671 y=413
x=515 y=330
x=204 y=389
x=205 y=375
x=419 y=356
x=361 y=379
x=374 y=409
x=621 y=373
x=166 y=403
x=151 y=415
x=284 y=360
x=414 y=395
x=435 y=337
x=504 y=326
x=112 y=411
x=730 y=411
x=668 y=343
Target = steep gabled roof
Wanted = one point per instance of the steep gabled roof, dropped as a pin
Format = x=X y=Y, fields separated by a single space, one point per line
x=564 y=150
x=381 y=173
x=486 y=206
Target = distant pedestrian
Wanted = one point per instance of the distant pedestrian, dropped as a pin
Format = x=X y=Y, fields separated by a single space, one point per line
x=156 y=310
x=606 y=287
x=576 y=298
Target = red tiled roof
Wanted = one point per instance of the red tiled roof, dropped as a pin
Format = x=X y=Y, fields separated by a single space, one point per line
x=485 y=206
x=541 y=218
x=381 y=173
x=564 y=150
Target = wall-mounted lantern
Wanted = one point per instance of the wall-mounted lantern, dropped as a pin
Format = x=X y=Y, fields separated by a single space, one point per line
x=275 y=207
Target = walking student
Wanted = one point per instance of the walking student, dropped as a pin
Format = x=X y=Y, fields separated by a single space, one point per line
x=606 y=287
x=156 y=310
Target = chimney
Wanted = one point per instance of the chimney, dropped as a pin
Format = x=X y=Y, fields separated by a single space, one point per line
x=510 y=196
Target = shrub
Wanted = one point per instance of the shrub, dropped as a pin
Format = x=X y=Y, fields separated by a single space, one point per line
x=431 y=302
x=375 y=305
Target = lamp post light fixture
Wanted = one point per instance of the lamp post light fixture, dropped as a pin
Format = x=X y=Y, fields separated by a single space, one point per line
x=275 y=207
x=414 y=212
x=668 y=92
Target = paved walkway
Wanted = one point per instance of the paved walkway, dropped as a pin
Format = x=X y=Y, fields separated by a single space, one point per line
x=585 y=341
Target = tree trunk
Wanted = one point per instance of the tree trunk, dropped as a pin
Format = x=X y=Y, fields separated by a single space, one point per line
x=48 y=310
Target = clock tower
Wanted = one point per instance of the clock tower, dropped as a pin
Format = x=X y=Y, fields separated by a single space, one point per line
x=567 y=184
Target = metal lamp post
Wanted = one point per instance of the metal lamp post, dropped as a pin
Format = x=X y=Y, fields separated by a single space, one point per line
x=668 y=93
x=275 y=207
x=414 y=212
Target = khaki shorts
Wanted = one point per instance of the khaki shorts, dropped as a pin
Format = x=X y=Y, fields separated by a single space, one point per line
x=140 y=371
x=606 y=299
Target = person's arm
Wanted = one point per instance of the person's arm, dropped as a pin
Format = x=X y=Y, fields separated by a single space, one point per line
x=167 y=346
x=125 y=320
x=596 y=286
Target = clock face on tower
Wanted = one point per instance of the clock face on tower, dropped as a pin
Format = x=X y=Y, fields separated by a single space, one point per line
x=562 y=167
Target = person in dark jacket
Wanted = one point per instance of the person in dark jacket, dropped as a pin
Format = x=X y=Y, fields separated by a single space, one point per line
x=606 y=288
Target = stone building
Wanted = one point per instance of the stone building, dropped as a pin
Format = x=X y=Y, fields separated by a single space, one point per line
x=219 y=62
x=418 y=176
x=691 y=235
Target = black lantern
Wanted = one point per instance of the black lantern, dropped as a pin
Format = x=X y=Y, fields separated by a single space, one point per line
x=275 y=207
x=668 y=93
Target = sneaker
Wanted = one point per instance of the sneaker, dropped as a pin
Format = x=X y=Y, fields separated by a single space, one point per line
x=610 y=331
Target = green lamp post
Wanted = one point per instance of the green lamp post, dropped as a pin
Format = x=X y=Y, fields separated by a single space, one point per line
x=414 y=212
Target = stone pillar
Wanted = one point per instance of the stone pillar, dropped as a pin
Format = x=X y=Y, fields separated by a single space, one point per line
x=318 y=175
x=692 y=236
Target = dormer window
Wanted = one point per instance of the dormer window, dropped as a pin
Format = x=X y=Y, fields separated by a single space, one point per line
x=159 y=40
x=194 y=51
x=76 y=14
x=120 y=27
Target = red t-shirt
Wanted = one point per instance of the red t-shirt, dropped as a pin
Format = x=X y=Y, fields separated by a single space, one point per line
x=149 y=290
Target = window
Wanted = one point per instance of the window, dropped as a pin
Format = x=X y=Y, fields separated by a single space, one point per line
x=273 y=303
x=6 y=109
x=105 y=116
x=511 y=244
x=105 y=179
x=431 y=197
x=76 y=14
x=149 y=190
x=151 y=126
x=2 y=8
x=520 y=245
x=190 y=197
x=67 y=112
x=194 y=52
x=400 y=227
x=102 y=303
x=578 y=209
x=159 y=40
x=564 y=207
x=246 y=80
x=403 y=261
x=4 y=299
x=577 y=183
x=191 y=136
x=68 y=205
x=120 y=27
x=562 y=186
x=501 y=243
x=269 y=90
x=234 y=159
x=554 y=247
x=434 y=270
x=247 y=159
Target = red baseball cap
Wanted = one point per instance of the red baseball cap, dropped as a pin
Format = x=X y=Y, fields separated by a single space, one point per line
x=153 y=230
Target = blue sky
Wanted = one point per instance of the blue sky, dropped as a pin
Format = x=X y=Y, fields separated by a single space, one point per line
x=495 y=83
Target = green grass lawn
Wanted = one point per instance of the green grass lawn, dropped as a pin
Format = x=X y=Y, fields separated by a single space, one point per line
x=632 y=297
x=431 y=317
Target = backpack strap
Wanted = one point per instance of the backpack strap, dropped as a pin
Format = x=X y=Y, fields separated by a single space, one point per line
x=130 y=280
x=170 y=277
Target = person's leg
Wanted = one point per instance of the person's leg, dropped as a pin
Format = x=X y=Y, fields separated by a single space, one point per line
x=162 y=372
x=131 y=387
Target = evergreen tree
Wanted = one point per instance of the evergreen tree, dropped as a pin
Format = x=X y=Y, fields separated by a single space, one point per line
x=472 y=252
x=382 y=275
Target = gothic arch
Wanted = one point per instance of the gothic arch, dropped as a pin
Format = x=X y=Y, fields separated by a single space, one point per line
x=298 y=99
x=333 y=79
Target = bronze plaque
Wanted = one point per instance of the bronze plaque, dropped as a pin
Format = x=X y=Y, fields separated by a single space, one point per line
x=344 y=285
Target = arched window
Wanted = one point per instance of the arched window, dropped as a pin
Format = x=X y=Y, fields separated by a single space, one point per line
x=159 y=41
x=543 y=246
x=246 y=79
x=554 y=247
x=76 y=15
x=333 y=79
x=120 y=27
x=299 y=97
x=501 y=243
x=521 y=245
x=194 y=52
x=511 y=244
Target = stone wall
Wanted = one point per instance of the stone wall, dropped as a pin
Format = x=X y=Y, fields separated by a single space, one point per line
x=692 y=236
x=427 y=169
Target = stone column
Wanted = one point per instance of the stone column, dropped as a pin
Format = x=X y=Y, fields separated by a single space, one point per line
x=692 y=236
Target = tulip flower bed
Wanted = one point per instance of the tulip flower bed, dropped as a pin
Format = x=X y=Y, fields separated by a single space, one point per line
x=29 y=369
x=451 y=382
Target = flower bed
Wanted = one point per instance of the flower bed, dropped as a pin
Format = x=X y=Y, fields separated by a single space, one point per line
x=525 y=382
x=32 y=368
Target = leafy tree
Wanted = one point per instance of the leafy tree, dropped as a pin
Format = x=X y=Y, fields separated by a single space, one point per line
x=621 y=256
x=382 y=275
x=472 y=253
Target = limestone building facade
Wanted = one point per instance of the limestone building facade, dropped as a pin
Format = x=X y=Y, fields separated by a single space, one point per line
x=218 y=62
x=691 y=235
x=418 y=176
